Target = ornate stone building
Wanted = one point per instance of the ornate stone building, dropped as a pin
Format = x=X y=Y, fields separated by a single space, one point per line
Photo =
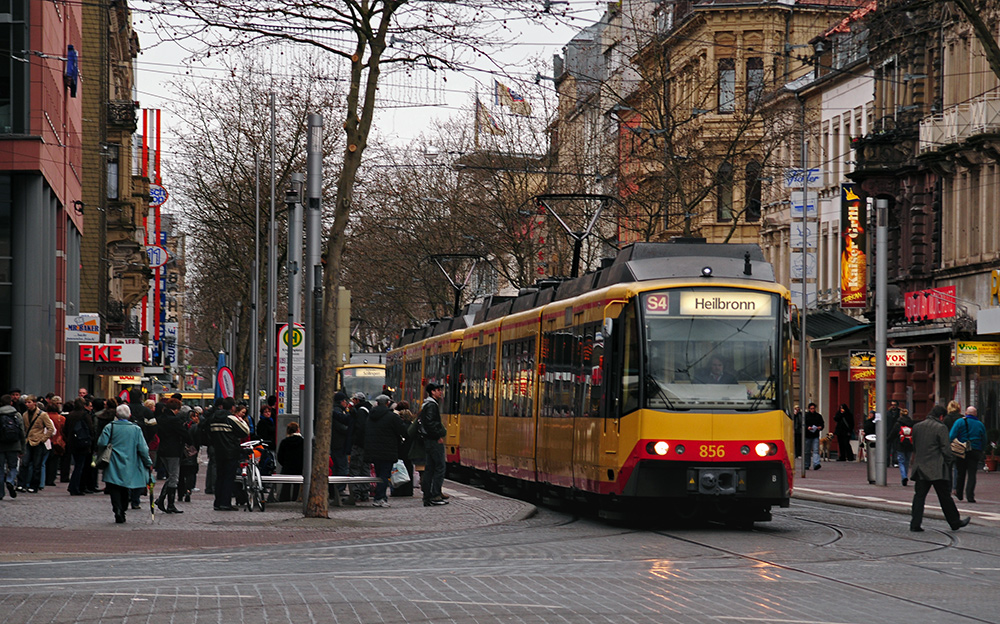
x=114 y=268
x=931 y=153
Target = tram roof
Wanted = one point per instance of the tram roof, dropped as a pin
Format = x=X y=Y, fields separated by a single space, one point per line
x=637 y=262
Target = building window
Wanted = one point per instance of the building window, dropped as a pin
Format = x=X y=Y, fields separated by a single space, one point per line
x=112 y=155
x=755 y=82
x=752 y=212
x=6 y=280
x=727 y=85
x=13 y=68
x=724 y=193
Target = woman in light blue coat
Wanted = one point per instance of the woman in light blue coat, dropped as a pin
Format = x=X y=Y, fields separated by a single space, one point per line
x=130 y=464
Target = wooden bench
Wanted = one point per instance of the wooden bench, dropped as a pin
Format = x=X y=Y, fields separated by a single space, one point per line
x=333 y=480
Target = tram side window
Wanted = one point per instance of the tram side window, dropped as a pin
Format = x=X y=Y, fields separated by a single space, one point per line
x=593 y=372
x=558 y=387
x=412 y=391
x=630 y=362
x=518 y=365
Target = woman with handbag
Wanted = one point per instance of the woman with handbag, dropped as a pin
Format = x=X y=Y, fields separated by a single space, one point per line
x=128 y=464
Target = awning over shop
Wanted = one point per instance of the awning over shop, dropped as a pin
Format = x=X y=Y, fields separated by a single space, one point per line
x=833 y=328
x=921 y=335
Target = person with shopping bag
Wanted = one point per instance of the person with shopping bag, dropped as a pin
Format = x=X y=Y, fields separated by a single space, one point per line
x=383 y=432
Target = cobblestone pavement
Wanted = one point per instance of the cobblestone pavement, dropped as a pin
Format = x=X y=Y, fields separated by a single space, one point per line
x=53 y=523
x=813 y=563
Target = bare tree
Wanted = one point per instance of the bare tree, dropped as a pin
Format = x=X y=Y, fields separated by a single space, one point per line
x=368 y=35
x=224 y=129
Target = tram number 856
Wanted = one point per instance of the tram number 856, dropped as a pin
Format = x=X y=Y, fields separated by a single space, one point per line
x=712 y=451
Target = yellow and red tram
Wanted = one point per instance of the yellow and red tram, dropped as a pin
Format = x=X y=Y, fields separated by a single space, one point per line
x=663 y=379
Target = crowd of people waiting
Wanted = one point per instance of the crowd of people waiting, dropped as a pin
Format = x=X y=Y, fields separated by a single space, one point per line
x=43 y=439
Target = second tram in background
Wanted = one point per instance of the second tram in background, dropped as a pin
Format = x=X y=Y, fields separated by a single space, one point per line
x=362 y=375
x=661 y=382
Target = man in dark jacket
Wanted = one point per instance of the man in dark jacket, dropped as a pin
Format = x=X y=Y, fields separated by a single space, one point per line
x=225 y=432
x=142 y=416
x=12 y=448
x=80 y=437
x=383 y=433
x=360 y=466
x=932 y=459
x=433 y=432
x=814 y=426
x=340 y=436
x=206 y=441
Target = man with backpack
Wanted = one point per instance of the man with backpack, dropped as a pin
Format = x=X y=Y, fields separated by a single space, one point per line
x=902 y=435
x=79 y=433
x=11 y=444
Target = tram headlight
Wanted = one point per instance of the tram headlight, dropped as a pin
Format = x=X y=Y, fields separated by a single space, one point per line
x=764 y=449
x=657 y=448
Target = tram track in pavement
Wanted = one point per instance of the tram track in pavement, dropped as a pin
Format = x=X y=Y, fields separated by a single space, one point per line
x=951 y=537
x=839 y=537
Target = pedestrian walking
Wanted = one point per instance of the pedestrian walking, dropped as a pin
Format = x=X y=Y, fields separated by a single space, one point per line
x=432 y=431
x=844 y=419
x=972 y=432
x=39 y=429
x=12 y=443
x=814 y=426
x=189 y=455
x=932 y=458
x=173 y=436
x=903 y=449
x=130 y=465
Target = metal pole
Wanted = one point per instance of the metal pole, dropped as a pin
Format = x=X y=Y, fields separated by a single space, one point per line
x=803 y=396
x=881 y=269
x=294 y=201
x=255 y=298
x=272 y=274
x=314 y=284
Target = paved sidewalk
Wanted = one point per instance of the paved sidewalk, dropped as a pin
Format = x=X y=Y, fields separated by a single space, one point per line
x=53 y=523
x=846 y=483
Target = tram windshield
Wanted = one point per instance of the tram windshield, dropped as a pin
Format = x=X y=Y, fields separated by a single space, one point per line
x=358 y=378
x=711 y=349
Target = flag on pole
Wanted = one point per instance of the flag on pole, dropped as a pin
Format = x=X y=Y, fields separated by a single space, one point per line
x=505 y=96
x=485 y=121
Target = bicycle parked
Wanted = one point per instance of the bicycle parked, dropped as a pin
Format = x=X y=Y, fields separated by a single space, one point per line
x=250 y=473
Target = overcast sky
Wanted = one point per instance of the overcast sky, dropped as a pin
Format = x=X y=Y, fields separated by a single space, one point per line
x=407 y=104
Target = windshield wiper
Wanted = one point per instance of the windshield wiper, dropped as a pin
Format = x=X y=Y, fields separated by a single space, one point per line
x=761 y=390
x=651 y=383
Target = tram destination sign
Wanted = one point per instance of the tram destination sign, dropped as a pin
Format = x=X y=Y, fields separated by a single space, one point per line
x=725 y=303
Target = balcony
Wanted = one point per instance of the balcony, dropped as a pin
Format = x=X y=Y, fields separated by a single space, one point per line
x=960 y=123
